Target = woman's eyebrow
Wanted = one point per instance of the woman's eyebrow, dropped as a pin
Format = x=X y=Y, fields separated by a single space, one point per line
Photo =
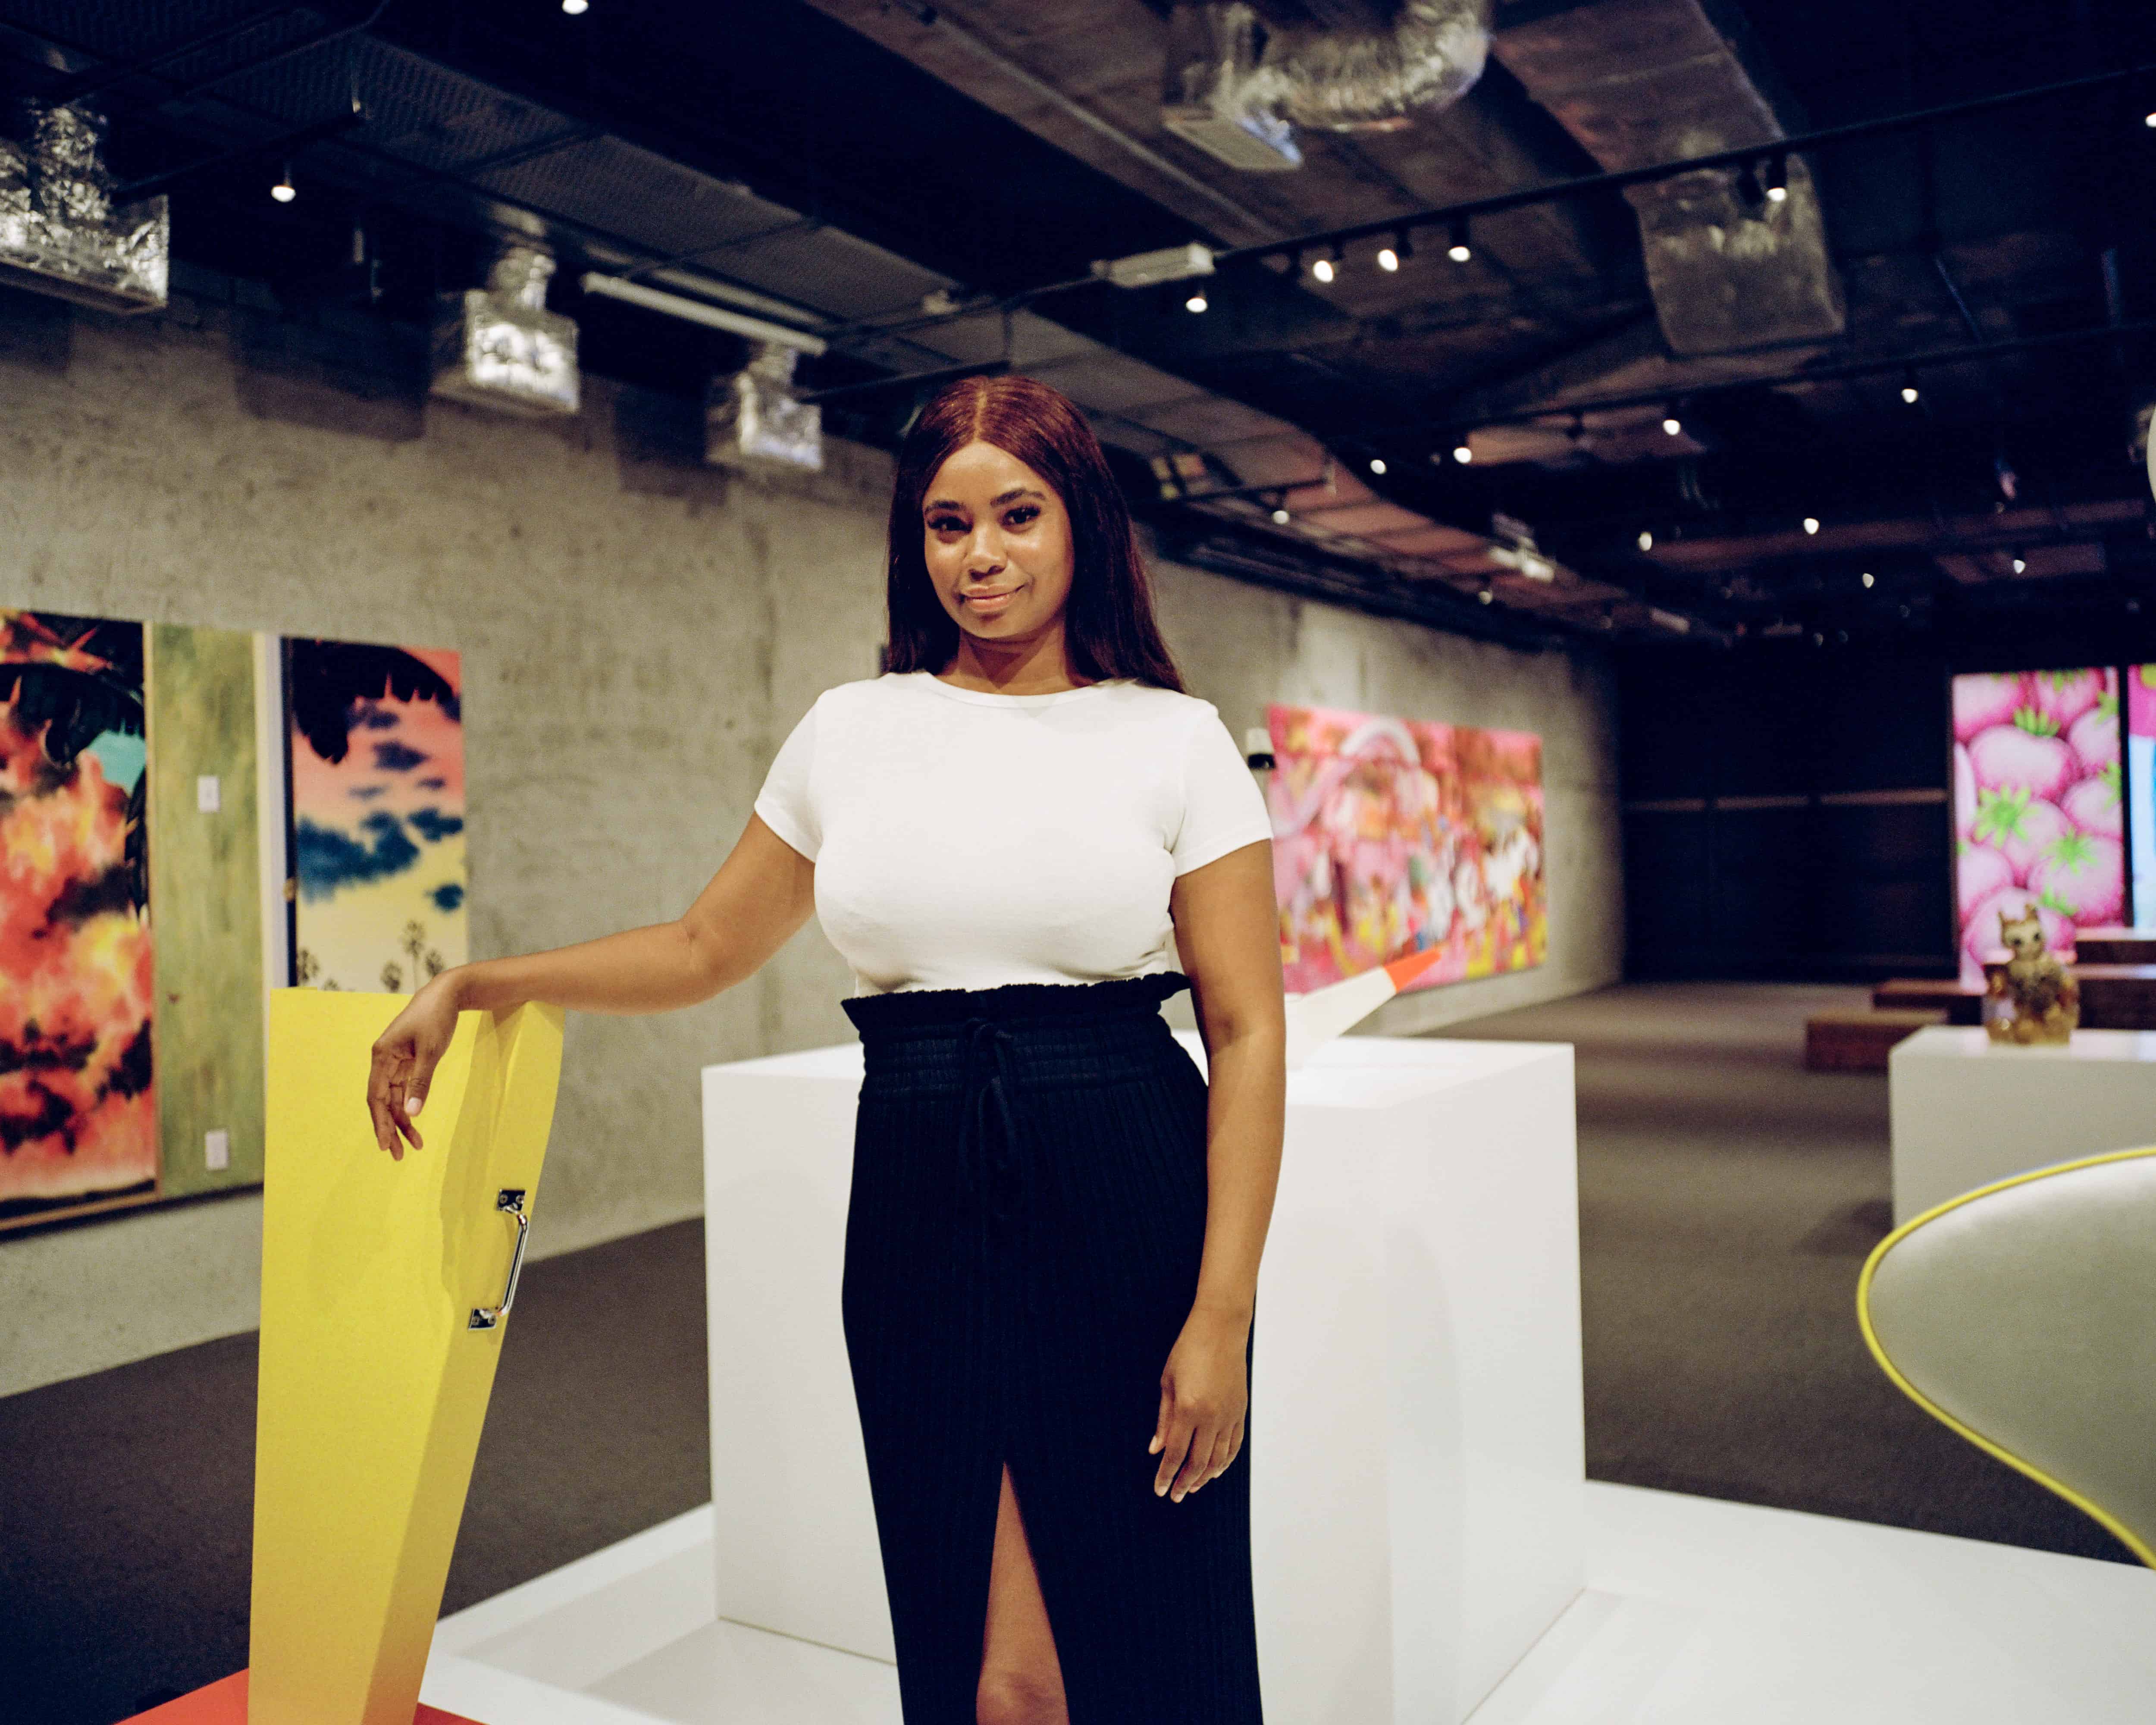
x=1017 y=491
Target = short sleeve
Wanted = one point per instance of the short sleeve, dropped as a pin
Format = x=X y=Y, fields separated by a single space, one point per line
x=1223 y=809
x=784 y=803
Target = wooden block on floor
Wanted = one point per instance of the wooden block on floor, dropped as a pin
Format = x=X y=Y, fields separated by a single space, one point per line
x=1963 y=1003
x=1859 y=1041
x=2115 y=946
x=2117 y=997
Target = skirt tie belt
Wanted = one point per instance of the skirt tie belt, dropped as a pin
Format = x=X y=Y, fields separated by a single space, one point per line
x=989 y=1119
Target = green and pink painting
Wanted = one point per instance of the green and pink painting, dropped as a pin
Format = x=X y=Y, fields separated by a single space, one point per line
x=1397 y=836
x=2040 y=816
x=377 y=813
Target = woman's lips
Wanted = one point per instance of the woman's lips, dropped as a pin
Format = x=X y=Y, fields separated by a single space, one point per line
x=989 y=603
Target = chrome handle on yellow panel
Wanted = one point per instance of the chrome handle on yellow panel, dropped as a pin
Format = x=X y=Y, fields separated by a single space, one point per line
x=485 y=1317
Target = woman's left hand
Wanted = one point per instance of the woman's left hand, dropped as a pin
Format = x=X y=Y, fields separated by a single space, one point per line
x=1204 y=1396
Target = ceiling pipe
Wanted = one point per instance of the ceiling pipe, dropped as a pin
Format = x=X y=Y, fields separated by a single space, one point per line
x=715 y=317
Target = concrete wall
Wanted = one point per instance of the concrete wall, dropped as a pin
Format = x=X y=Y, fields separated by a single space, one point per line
x=638 y=634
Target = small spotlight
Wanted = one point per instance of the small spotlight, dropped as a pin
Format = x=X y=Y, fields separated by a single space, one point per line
x=1646 y=539
x=1279 y=517
x=1775 y=181
x=1322 y=270
x=576 y=9
x=1811 y=524
x=1377 y=465
x=2020 y=566
x=1867 y=577
x=285 y=191
x=1387 y=259
x=1462 y=453
x=1460 y=251
x=1196 y=302
x=2149 y=120
x=1486 y=597
x=1672 y=424
x=1909 y=391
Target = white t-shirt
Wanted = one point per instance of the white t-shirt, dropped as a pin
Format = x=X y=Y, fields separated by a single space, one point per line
x=964 y=840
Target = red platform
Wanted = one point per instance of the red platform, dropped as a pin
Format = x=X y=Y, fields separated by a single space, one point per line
x=224 y=1702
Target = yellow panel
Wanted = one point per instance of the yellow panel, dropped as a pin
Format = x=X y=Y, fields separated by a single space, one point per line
x=373 y=1383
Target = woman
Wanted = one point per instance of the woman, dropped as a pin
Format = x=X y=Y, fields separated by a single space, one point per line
x=1053 y=1238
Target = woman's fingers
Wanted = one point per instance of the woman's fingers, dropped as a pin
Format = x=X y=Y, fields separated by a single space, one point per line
x=1175 y=1448
x=1197 y=1460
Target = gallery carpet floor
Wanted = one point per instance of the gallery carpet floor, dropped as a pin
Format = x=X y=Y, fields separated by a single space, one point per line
x=1727 y=1198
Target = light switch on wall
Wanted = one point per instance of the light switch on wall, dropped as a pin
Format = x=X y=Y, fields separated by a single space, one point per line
x=209 y=794
x=217 y=1146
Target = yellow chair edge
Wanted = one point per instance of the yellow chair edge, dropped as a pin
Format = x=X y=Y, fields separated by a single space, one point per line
x=2110 y=1523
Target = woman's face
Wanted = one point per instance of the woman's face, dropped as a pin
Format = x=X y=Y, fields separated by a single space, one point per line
x=997 y=542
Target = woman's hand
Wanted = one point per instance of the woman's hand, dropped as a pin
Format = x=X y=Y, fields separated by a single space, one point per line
x=405 y=1056
x=1204 y=1396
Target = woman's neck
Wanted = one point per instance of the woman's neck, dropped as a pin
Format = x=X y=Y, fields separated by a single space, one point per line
x=1038 y=667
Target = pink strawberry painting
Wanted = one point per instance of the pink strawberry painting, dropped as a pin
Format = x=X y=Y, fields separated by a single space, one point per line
x=2038 y=821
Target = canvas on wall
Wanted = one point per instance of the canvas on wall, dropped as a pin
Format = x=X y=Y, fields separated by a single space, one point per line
x=2039 y=819
x=2141 y=788
x=377 y=807
x=77 y=1109
x=1393 y=836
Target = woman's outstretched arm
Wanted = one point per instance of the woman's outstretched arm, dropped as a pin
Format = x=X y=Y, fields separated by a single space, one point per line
x=1227 y=932
x=760 y=896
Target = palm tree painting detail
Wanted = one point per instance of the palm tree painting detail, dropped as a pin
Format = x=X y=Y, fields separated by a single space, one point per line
x=377 y=813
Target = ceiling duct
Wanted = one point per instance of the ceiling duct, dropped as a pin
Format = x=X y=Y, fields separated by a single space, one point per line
x=1732 y=265
x=1237 y=86
x=752 y=421
x=59 y=231
x=499 y=347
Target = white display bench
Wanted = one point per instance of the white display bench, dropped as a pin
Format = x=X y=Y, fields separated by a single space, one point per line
x=1417 y=1451
x=1967 y=1110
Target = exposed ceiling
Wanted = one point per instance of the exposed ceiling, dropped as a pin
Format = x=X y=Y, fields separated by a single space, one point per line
x=837 y=163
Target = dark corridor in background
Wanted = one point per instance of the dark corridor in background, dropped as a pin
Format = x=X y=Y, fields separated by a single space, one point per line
x=1786 y=814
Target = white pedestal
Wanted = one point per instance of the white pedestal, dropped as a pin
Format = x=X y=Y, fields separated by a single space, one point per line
x=1966 y=1111
x=1417 y=1446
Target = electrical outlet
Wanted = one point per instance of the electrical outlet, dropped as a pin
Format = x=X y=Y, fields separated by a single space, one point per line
x=217 y=1148
x=209 y=794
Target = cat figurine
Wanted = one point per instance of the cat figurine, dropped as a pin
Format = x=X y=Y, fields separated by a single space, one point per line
x=2034 y=999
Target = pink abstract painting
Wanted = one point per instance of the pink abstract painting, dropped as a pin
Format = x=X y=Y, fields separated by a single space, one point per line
x=2039 y=819
x=1393 y=836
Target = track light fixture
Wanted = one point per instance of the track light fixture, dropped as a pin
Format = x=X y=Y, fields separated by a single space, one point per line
x=1458 y=250
x=1328 y=263
x=1388 y=260
x=1647 y=540
x=1280 y=516
x=1485 y=595
x=1909 y=391
x=1377 y=465
x=2021 y=565
x=285 y=191
x=576 y=9
x=2149 y=120
x=1671 y=424
x=1866 y=578
x=1462 y=453
x=1196 y=302
x=1775 y=178
x=1811 y=524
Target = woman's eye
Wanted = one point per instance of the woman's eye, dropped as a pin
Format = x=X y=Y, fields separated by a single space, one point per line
x=945 y=524
x=1021 y=516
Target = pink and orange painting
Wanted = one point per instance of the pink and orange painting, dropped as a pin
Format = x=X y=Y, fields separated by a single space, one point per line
x=2039 y=822
x=78 y=1116
x=1396 y=836
x=377 y=813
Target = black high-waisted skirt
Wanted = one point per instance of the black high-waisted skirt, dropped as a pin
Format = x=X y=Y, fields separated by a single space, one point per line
x=1022 y=1249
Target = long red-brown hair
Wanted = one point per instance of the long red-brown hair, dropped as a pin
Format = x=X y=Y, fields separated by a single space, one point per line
x=1108 y=624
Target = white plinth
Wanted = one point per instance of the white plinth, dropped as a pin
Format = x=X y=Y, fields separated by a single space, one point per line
x=1967 y=1110
x=1417 y=1447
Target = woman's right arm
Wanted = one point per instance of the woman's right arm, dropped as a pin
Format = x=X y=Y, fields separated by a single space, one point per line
x=760 y=897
